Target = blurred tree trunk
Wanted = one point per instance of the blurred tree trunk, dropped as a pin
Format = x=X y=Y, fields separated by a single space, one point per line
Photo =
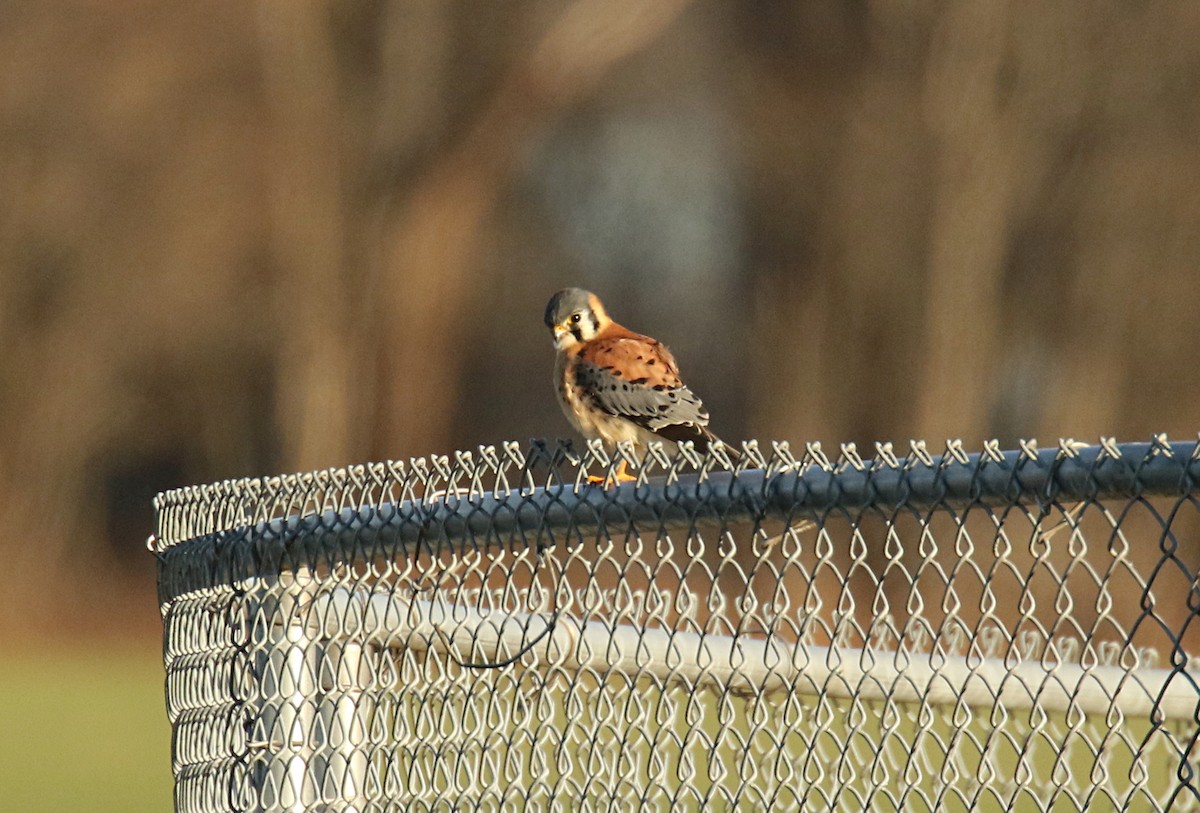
x=839 y=240
x=979 y=152
x=433 y=245
x=320 y=401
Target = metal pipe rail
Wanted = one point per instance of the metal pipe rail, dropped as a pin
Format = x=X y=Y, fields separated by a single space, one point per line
x=1029 y=476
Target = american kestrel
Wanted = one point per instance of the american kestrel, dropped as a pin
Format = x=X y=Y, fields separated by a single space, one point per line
x=617 y=385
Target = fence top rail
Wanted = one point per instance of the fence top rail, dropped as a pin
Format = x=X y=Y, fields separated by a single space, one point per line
x=543 y=490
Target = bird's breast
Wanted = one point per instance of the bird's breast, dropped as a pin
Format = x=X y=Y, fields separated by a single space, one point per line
x=580 y=406
x=570 y=398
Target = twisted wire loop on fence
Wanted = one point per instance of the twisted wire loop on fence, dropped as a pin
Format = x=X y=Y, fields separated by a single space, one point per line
x=1006 y=630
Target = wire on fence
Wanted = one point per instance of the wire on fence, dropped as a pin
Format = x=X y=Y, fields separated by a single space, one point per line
x=991 y=631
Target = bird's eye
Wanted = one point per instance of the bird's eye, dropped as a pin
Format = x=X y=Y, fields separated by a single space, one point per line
x=575 y=317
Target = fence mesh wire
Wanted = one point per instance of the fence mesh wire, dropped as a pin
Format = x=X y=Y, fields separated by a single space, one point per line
x=991 y=631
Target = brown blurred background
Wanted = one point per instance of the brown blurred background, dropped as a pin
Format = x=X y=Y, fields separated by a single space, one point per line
x=246 y=238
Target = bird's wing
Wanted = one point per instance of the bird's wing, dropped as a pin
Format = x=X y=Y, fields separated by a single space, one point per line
x=634 y=377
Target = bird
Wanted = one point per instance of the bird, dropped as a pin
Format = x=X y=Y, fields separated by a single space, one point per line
x=618 y=385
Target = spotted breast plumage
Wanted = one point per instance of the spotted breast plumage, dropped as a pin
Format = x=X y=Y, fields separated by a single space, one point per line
x=617 y=385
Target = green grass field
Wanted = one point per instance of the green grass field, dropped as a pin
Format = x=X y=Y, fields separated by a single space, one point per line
x=87 y=731
x=84 y=730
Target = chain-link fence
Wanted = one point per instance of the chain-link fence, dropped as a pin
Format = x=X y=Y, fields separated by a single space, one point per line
x=996 y=631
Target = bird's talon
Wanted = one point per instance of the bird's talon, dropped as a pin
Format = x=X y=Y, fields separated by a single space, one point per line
x=621 y=475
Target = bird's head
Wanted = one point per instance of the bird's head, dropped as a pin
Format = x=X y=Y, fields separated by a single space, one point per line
x=573 y=316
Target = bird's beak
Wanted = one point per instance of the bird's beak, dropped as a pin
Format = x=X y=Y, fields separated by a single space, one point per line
x=560 y=335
